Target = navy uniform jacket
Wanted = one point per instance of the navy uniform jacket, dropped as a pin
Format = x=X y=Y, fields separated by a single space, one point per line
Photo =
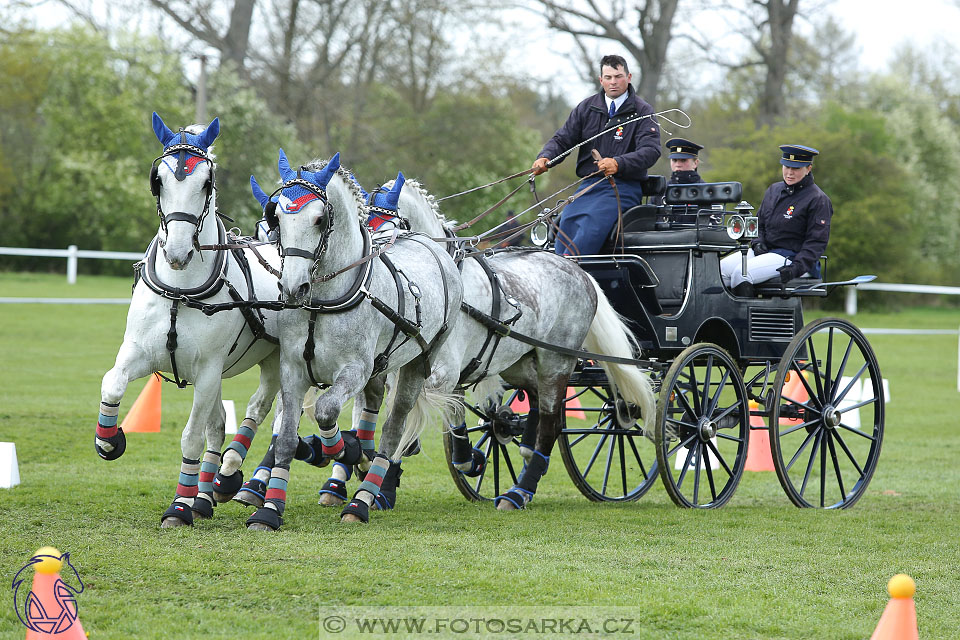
x=635 y=147
x=796 y=218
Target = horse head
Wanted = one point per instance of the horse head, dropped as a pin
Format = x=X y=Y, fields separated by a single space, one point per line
x=420 y=210
x=304 y=215
x=182 y=181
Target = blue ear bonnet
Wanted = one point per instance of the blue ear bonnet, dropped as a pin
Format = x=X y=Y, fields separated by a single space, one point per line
x=387 y=200
x=169 y=138
x=293 y=198
x=259 y=194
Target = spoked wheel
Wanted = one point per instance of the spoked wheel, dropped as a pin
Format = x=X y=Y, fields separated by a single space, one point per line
x=497 y=436
x=826 y=420
x=702 y=429
x=608 y=460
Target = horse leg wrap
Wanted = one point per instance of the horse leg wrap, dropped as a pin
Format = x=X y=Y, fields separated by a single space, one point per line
x=522 y=493
x=208 y=468
x=387 y=498
x=366 y=429
x=109 y=435
x=332 y=441
x=528 y=441
x=336 y=486
x=180 y=511
x=226 y=487
x=461 y=456
x=240 y=445
x=202 y=507
x=310 y=450
x=357 y=508
x=271 y=513
x=254 y=491
x=412 y=449
x=189 y=473
x=351 y=453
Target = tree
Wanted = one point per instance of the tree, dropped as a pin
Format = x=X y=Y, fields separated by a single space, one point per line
x=230 y=36
x=644 y=32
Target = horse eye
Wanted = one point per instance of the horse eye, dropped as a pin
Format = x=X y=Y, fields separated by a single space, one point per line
x=318 y=220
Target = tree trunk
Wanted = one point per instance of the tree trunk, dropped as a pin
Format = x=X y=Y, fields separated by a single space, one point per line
x=776 y=56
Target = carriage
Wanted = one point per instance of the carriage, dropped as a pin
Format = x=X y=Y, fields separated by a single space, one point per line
x=727 y=370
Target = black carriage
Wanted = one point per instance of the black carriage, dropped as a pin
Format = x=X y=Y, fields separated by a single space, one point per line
x=724 y=367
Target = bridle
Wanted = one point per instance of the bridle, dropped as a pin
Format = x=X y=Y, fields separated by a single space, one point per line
x=182 y=148
x=273 y=221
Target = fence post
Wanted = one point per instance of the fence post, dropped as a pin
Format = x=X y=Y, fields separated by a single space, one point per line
x=851 y=301
x=72 y=264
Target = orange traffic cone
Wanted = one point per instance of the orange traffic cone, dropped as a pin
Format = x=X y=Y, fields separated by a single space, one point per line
x=144 y=415
x=573 y=405
x=50 y=607
x=899 y=619
x=758 y=451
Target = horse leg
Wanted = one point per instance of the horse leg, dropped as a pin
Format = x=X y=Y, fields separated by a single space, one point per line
x=206 y=390
x=551 y=392
x=465 y=458
x=366 y=409
x=215 y=425
x=229 y=478
x=131 y=364
x=287 y=445
x=386 y=464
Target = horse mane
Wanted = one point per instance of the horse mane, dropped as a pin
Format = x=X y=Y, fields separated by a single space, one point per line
x=353 y=186
x=428 y=198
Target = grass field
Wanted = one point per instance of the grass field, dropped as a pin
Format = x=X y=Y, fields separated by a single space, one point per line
x=757 y=568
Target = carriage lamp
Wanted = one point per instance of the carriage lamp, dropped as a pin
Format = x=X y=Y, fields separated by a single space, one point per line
x=538 y=233
x=735 y=226
x=752 y=229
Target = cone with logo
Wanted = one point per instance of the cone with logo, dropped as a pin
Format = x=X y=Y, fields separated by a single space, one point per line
x=144 y=415
x=899 y=619
x=50 y=607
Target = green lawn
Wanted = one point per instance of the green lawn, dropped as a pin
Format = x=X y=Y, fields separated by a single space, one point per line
x=757 y=568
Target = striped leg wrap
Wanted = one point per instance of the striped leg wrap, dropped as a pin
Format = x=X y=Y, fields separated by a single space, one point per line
x=370 y=487
x=107 y=420
x=243 y=438
x=208 y=468
x=277 y=488
x=331 y=441
x=187 y=486
x=367 y=428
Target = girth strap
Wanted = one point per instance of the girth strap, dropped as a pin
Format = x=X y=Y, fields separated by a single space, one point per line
x=492 y=336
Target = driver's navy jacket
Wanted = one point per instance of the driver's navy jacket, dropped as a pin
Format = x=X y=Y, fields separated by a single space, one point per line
x=796 y=218
x=635 y=146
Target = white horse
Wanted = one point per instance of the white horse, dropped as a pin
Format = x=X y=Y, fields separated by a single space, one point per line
x=541 y=295
x=360 y=316
x=167 y=330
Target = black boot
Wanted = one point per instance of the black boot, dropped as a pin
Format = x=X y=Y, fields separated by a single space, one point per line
x=744 y=290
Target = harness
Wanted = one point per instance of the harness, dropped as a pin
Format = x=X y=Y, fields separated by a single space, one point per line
x=492 y=335
x=192 y=297
x=360 y=287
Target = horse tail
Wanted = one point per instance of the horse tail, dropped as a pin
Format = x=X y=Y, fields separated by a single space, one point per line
x=609 y=335
x=431 y=404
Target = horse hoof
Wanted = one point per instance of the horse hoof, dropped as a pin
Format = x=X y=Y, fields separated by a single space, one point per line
x=505 y=505
x=248 y=499
x=526 y=453
x=225 y=487
x=258 y=526
x=172 y=523
x=351 y=518
x=118 y=442
x=330 y=500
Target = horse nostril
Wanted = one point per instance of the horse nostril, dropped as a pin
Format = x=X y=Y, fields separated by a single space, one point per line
x=302 y=291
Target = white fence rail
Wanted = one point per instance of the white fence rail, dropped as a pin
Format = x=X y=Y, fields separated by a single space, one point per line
x=72 y=254
x=851 y=300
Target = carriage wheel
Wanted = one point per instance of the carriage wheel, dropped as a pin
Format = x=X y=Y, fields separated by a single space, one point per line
x=702 y=429
x=606 y=459
x=826 y=420
x=497 y=434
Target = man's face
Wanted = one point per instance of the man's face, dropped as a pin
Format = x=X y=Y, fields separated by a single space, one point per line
x=614 y=81
x=793 y=175
x=684 y=164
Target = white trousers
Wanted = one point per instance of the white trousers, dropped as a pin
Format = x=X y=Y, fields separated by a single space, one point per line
x=759 y=268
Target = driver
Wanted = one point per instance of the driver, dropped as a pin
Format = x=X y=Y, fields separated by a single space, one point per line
x=630 y=147
x=794 y=227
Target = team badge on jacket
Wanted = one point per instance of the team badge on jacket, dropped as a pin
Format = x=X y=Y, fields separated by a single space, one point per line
x=789 y=213
x=618 y=134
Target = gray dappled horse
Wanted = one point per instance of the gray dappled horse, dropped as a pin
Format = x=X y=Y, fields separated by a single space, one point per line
x=357 y=320
x=544 y=296
x=166 y=331
x=559 y=304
